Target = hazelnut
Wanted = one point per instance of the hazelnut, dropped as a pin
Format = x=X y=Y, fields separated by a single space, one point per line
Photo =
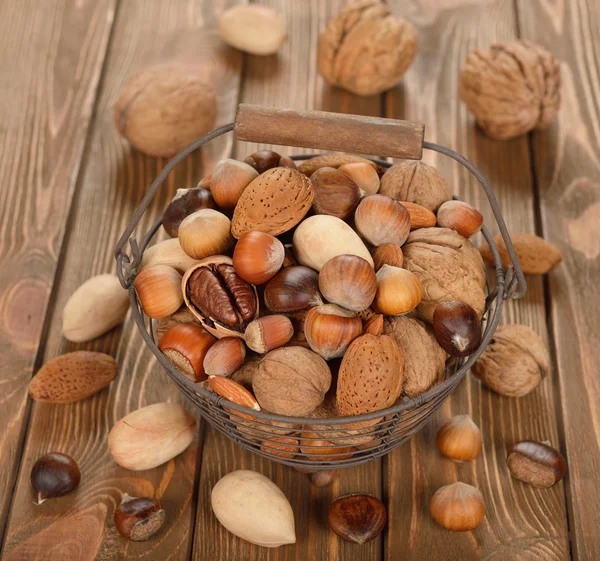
x=458 y=507
x=204 y=183
x=185 y=345
x=159 y=290
x=459 y=439
x=461 y=217
x=164 y=108
x=348 y=281
x=416 y=182
x=457 y=327
x=293 y=289
x=329 y=330
x=380 y=219
x=282 y=446
x=257 y=256
x=138 y=519
x=253 y=28
x=54 y=475
x=357 y=518
x=536 y=463
x=388 y=254
x=204 y=233
x=316 y=448
x=264 y=160
x=515 y=361
x=335 y=193
x=528 y=78
x=184 y=203
x=228 y=181
x=364 y=175
x=269 y=332
x=225 y=357
x=420 y=217
x=374 y=325
x=323 y=477
x=366 y=49
x=398 y=291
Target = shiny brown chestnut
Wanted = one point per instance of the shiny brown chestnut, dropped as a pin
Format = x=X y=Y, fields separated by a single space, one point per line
x=335 y=193
x=264 y=160
x=357 y=518
x=54 y=475
x=293 y=289
x=138 y=519
x=536 y=463
x=184 y=203
x=185 y=345
x=457 y=327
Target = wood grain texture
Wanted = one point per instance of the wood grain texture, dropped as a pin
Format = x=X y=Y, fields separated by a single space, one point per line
x=567 y=169
x=521 y=523
x=113 y=181
x=324 y=130
x=47 y=93
x=288 y=80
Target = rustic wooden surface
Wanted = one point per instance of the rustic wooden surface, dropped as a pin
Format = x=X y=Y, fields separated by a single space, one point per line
x=70 y=184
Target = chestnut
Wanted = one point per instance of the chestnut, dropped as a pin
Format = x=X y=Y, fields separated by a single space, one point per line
x=458 y=507
x=185 y=345
x=329 y=330
x=459 y=439
x=335 y=193
x=264 y=160
x=388 y=254
x=380 y=219
x=536 y=463
x=138 y=519
x=184 y=203
x=228 y=181
x=54 y=475
x=159 y=289
x=357 y=518
x=269 y=332
x=258 y=256
x=457 y=327
x=293 y=289
x=348 y=281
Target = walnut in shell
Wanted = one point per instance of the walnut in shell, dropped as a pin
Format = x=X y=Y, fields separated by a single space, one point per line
x=511 y=88
x=515 y=361
x=165 y=108
x=448 y=267
x=425 y=359
x=365 y=49
x=291 y=381
x=415 y=182
x=370 y=376
x=274 y=202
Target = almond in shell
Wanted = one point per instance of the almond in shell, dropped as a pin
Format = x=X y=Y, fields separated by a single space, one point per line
x=72 y=377
x=274 y=202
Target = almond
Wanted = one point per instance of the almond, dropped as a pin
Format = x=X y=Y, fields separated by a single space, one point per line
x=232 y=391
x=331 y=161
x=420 y=217
x=374 y=325
x=536 y=255
x=274 y=202
x=72 y=377
x=370 y=376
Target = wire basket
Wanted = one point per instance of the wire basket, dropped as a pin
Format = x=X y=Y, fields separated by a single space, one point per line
x=328 y=443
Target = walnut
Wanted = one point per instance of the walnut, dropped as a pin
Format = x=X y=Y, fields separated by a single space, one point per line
x=515 y=361
x=448 y=266
x=415 y=182
x=425 y=360
x=365 y=49
x=511 y=88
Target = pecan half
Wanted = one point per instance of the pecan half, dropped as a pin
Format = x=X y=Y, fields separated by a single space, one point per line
x=221 y=296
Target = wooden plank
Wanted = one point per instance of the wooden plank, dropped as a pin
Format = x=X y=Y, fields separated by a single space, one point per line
x=521 y=522
x=567 y=170
x=114 y=180
x=288 y=80
x=47 y=94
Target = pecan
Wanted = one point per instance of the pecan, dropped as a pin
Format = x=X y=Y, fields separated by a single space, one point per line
x=220 y=295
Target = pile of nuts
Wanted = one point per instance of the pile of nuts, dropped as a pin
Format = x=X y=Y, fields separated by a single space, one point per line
x=324 y=290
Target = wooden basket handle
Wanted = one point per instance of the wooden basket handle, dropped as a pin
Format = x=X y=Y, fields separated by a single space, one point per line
x=330 y=131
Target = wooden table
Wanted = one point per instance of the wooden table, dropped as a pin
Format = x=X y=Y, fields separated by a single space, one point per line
x=69 y=185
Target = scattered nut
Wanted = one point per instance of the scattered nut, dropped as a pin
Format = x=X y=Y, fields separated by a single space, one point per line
x=323 y=477
x=357 y=518
x=138 y=519
x=54 y=475
x=536 y=463
x=458 y=507
x=459 y=439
